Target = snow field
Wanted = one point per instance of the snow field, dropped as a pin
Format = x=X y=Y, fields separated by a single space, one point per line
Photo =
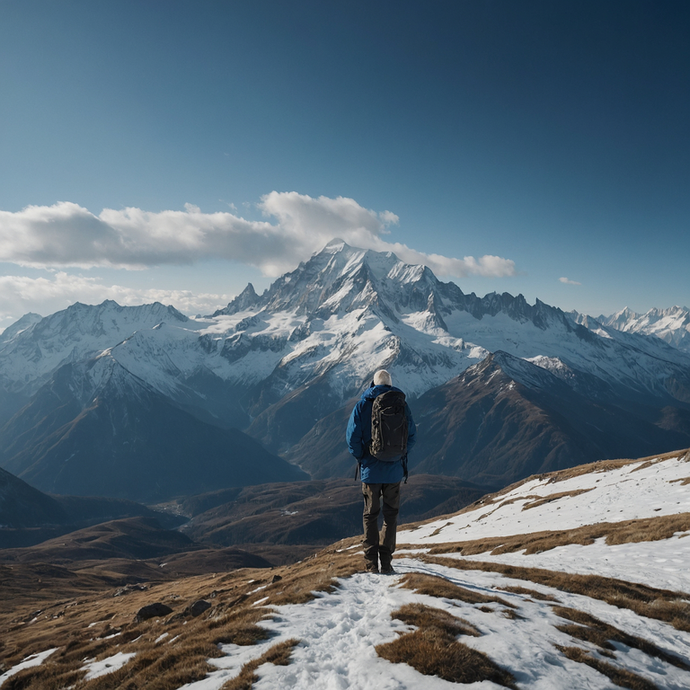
x=96 y=669
x=663 y=564
x=33 y=660
x=339 y=631
x=630 y=492
x=526 y=646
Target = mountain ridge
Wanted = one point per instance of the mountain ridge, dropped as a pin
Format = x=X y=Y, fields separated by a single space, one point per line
x=278 y=365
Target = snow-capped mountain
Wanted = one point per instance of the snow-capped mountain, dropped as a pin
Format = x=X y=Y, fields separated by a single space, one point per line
x=277 y=364
x=34 y=347
x=338 y=316
x=671 y=325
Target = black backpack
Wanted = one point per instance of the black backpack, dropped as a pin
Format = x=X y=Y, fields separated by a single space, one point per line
x=389 y=427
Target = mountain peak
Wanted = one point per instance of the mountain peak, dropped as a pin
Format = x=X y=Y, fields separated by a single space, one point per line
x=19 y=326
x=671 y=325
x=335 y=245
x=245 y=300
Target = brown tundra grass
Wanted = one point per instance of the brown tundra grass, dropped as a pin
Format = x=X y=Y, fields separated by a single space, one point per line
x=79 y=626
x=628 y=531
x=590 y=629
x=422 y=616
x=531 y=593
x=279 y=655
x=542 y=500
x=436 y=586
x=618 y=676
x=660 y=604
x=433 y=650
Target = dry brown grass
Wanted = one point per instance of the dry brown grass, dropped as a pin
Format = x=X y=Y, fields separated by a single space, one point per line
x=660 y=604
x=316 y=574
x=433 y=650
x=53 y=678
x=422 y=616
x=436 y=586
x=683 y=482
x=237 y=627
x=590 y=468
x=439 y=529
x=618 y=676
x=591 y=629
x=80 y=625
x=542 y=500
x=532 y=593
x=279 y=655
x=607 y=465
x=628 y=531
x=158 y=669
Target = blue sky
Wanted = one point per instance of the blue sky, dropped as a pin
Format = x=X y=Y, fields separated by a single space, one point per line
x=552 y=136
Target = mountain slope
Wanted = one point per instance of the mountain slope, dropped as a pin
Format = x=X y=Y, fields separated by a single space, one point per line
x=315 y=512
x=23 y=506
x=28 y=516
x=336 y=318
x=505 y=418
x=598 y=600
x=116 y=437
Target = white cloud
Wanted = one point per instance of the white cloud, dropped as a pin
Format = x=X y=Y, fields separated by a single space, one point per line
x=567 y=281
x=67 y=234
x=45 y=295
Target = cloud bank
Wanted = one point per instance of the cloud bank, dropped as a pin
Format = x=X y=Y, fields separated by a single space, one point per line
x=567 y=281
x=297 y=225
x=21 y=294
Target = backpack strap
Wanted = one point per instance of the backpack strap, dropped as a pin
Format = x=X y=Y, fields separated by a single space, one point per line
x=404 y=464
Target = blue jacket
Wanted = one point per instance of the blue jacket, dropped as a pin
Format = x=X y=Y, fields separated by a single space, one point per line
x=358 y=438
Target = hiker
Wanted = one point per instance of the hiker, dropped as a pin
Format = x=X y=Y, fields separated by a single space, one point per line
x=382 y=463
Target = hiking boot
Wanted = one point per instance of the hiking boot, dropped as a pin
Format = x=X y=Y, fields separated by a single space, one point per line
x=387 y=569
x=371 y=568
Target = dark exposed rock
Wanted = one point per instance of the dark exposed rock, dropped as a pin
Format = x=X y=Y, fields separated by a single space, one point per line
x=157 y=610
x=198 y=607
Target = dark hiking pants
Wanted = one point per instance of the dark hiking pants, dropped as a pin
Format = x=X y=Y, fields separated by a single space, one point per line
x=380 y=546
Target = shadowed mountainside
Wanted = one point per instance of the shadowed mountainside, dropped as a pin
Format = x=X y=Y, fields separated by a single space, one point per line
x=504 y=419
x=310 y=513
x=128 y=550
x=29 y=516
x=127 y=441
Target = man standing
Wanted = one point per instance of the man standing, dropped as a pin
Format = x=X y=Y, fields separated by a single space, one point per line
x=379 y=434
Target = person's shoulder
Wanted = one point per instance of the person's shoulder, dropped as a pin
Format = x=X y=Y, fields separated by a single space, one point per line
x=370 y=393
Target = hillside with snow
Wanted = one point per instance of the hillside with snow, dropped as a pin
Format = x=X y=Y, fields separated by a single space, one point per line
x=577 y=579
